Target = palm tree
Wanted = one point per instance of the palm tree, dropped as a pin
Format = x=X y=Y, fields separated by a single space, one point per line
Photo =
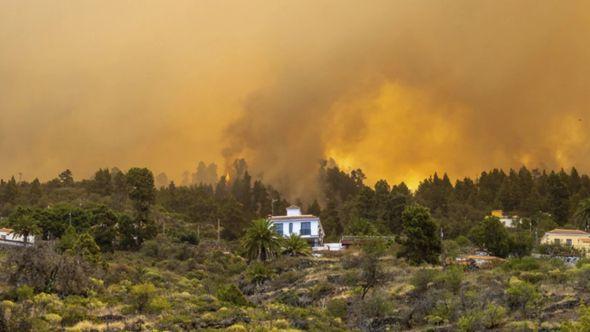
x=261 y=242
x=294 y=245
x=582 y=214
x=24 y=225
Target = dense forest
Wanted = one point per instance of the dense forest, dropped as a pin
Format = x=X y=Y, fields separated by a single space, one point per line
x=346 y=204
x=127 y=250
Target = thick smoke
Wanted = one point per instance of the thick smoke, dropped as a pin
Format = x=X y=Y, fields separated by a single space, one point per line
x=407 y=88
x=398 y=88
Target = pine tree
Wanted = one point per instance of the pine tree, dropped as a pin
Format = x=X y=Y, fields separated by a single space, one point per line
x=142 y=194
x=35 y=192
x=558 y=198
x=420 y=238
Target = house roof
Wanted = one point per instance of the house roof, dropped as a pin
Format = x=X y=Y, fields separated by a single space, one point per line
x=284 y=218
x=6 y=230
x=585 y=240
x=568 y=231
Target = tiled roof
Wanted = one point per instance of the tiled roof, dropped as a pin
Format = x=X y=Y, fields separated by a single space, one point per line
x=568 y=231
x=6 y=230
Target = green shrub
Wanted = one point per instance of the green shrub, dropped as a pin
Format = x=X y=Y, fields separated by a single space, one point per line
x=24 y=292
x=445 y=305
x=286 y=279
x=422 y=278
x=533 y=277
x=470 y=322
x=158 y=304
x=257 y=273
x=583 y=322
x=580 y=262
x=557 y=276
x=522 y=295
x=522 y=264
x=232 y=294
x=451 y=278
x=141 y=295
x=583 y=277
x=190 y=237
x=74 y=310
x=321 y=290
x=493 y=316
x=237 y=328
x=434 y=320
x=337 y=308
x=376 y=306
x=463 y=241
x=289 y=297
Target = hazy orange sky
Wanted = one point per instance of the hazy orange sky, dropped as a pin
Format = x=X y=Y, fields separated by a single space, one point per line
x=398 y=88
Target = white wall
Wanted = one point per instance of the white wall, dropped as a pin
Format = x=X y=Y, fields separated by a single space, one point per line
x=315 y=230
x=14 y=237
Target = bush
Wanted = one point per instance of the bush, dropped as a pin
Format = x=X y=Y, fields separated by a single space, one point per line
x=376 y=306
x=321 y=290
x=24 y=292
x=522 y=295
x=422 y=278
x=158 y=304
x=44 y=269
x=583 y=276
x=493 y=316
x=141 y=295
x=522 y=264
x=233 y=295
x=289 y=297
x=190 y=237
x=257 y=273
x=557 y=276
x=463 y=241
x=286 y=279
x=532 y=277
x=583 y=323
x=552 y=249
x=451 y=279
x=337 y=308
x=470 y=322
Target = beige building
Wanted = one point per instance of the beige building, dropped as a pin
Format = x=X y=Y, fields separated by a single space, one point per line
x=571 y=237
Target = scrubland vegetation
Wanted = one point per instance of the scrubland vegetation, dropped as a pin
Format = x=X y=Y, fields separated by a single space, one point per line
x=117 y=253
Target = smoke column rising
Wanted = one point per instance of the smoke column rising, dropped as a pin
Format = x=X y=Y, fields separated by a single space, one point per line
x=409 y=87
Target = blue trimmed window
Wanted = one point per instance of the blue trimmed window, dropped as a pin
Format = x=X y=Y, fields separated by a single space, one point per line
x=279 y=228
x=305 y=228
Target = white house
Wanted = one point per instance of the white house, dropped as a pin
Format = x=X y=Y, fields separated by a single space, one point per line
x=506 y=220
x=7 y=237
x=307 y=226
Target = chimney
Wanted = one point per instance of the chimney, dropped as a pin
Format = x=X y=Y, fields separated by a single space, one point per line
x=293 y=210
